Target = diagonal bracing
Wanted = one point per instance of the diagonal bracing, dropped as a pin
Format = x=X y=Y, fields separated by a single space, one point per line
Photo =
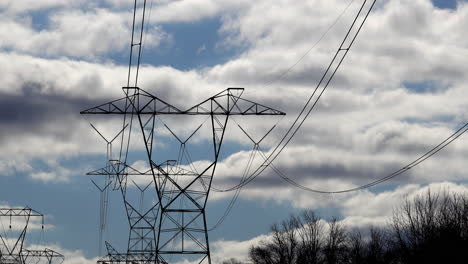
x=182 y=191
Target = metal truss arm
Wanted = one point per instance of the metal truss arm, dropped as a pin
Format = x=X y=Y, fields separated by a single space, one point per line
x=228 y=102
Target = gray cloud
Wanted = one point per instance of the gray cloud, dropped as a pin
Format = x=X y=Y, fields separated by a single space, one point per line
x=358 y=130
x=80 y=33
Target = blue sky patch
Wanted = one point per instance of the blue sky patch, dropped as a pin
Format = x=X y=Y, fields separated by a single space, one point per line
x=449 y=4
x=40 y=19
x=193 y=46
x=427 y=86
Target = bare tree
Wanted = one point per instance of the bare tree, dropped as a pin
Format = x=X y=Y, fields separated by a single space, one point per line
x=284 y=241
x=376 y=247
x=262 y=254
x=310 y=236
x=282 y=249
x=290 y=228
x=232 y=261
x=335 y=247
x=356 y=248
x=432 y=229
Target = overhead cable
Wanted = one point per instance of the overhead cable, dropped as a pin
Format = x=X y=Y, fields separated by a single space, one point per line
x=390 y=176
x=323 y=84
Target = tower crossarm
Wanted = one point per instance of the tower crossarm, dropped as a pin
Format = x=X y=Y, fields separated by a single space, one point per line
x=49 y=254
x=229 y=102
x=17 y=254
x=138 y=101
x=13 y=212
x=25 y=213
x=123 y=169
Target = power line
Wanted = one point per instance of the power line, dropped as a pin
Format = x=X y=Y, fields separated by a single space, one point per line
x=325 y=80
x=342 y=47
x=237 y=193
x=245 y=180
x=269 y=159
x=390 y=176
x=247 y=169
x=281 y=75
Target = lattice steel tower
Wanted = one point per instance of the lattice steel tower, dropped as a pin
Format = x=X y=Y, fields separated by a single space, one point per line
x=12 y=249
x=182 y=191
x=176 y=224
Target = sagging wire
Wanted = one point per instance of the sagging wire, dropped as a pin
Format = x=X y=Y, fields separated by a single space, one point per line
x=331 y=70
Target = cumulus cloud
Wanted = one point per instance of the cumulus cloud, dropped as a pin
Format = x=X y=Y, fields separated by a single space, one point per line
x=16 y=7
x=75 y=33
x=367 y=127
x=193 y=10
x=55 y=173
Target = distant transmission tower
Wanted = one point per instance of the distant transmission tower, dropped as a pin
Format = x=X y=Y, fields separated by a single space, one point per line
x=142 y=220
x=12 y=249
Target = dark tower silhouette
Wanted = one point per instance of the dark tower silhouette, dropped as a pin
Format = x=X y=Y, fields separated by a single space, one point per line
x=182 y=191
x=12 y=249
x=176 y=223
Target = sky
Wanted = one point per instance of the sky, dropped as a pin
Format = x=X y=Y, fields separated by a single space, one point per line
x=400 y=91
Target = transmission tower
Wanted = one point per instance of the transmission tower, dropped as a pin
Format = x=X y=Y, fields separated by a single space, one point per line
x=182 y=191
x=175 y=224
x=142 y=220
x=12 y=250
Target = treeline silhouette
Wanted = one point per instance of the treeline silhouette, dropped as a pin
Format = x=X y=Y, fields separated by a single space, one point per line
x=431 y=228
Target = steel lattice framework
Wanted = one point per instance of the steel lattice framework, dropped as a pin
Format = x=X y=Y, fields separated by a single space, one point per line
x=182 y=192
x=15 y=253
x=142 y=221
x=176 y=223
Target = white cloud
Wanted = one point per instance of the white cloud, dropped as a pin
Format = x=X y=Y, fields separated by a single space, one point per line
x=76 y=33
x=56 y=174
x=12 y=6
x=11 y=166
x=193 y=10
x=226 y=249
